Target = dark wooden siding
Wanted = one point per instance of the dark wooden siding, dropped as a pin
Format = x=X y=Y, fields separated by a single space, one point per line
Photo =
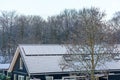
x=18 y=71
x=114 y=77
x=55 y=76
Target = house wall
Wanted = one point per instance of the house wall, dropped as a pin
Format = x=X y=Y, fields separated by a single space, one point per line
x=18 y=71
x=55 y=76
x=114 y=77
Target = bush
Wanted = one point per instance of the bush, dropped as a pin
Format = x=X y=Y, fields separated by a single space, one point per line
x=7 y=78
x=3 y=77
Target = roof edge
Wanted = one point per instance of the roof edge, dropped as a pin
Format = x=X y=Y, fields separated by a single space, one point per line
x=14 y=60
x=24 y=61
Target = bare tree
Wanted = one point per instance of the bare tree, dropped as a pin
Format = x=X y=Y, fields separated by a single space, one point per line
x=7 y=20
x=115 y=22
x=91 y=44
x=37 y=26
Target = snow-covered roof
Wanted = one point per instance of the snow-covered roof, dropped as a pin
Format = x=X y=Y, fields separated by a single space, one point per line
x=41 y=58
x=46 y=58
x=111 y=65
x=42 y=49
x=4 y=66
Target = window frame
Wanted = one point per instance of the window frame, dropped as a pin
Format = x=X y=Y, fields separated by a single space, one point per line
x=20 y=77
x=15 y=76
x=48 y=77
x=21 y=63
x=27 y=78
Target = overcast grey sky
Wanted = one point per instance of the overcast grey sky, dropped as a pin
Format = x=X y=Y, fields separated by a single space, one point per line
x=47 y=8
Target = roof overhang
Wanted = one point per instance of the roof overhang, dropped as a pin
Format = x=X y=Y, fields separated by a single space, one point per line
x=14 y=60
x=49 y=73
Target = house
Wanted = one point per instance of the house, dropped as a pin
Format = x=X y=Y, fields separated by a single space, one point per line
x=42 y=62
x=4 y=68
x=38 y=62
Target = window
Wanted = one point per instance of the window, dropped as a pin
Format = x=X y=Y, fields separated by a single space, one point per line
x=49 y=77
x=15 y=76
x=27 y=78
x=20 y=77
x=21 y=64
x=74 y=78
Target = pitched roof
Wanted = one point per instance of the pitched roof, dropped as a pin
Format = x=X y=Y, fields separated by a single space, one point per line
x=46 y=58
x=41 y=58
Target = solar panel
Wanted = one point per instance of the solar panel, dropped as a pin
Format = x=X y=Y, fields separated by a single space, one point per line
x=42 y=50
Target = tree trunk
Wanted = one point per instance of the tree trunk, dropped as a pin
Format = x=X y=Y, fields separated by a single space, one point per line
x=92 y=63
